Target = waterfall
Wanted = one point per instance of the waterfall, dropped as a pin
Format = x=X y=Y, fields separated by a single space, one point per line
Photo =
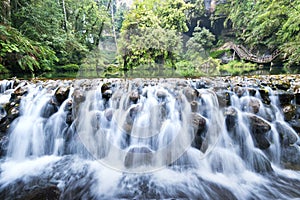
x=145 y=139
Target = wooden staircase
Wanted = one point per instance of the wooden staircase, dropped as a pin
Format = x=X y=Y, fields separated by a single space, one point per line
x=244 y=54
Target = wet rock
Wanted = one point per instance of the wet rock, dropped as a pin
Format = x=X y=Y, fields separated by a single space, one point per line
x=190 y=94
x=265 y=96
x=261 y=163
x=19 y=91
x=3 y=114
x=38 y=193
x=201 y=85
x=297 y=98
x=13 y=113
x=223 y=98
x=252 y=91
x=62 y=94
x=194 y=106
x=3 y=144
x=291 y=155
x=254 y=105
x=287 y=135
x=107 y=94
x=49 y=109
x=231 y=118
x=199 y=126
x=105 y=86
x=69 y=115
x=261 y=141
x=283 y=85
x=285 y=98
x=258 y=125
x=78 y=96
x=289 y=112
x=109 y=114
x=138 y=156
x=134 y=96
x=161 y=94
x=295 y=125
x=239 y=91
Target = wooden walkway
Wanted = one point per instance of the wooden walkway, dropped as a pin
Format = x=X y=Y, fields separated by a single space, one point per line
x=244 y=54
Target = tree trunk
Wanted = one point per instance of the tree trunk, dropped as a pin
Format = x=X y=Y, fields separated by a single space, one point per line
x=65 y=15
x=102 y=25
x=113 y=25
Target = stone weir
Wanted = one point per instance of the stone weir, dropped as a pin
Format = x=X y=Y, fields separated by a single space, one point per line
x=261 y=98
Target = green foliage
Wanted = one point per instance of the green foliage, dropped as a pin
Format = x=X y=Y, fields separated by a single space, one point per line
x=273 y=24
x=150 y=33
x=218 y=53
x=67 y=68
x=18 y=53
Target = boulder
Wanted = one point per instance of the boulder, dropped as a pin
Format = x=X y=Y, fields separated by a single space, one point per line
x=62 y=94
x=231 y=118
x=3 y=114
x=161 y=94
x=285 y=98
x=239 y=91
x=258 y=125
x=107 y=94
x=49 y=109
x=291 y=155
x=289 y=112
x=297 y=98
x=199 y=126
x=283 y=85
x=261 y=163
x=265 y=96
x=287 y=135
x=134 y=96
x=254 y=105
x=78 y=96
x=190 y=94
x=223 y=98
x=108 y=113
x=194 y=106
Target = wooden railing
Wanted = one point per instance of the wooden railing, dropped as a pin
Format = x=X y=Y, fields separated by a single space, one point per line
x=244 y=54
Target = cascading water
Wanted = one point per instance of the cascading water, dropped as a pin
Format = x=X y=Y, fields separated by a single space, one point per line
x=146 y=139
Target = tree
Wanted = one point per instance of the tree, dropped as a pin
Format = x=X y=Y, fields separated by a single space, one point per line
x=151 y=33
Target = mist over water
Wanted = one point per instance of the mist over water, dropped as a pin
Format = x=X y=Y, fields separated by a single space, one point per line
x=147 y=139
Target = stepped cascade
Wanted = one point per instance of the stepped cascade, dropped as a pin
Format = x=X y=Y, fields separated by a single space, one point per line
x=206 y=138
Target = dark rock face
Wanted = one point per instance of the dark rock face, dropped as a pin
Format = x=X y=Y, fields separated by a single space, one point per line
x=286 y=135
x=285 y=98
x=78 y=96
x=289 y=112
x=199 y=126
x=258 y=125
x=190 y=94
x=62 y=94
x=265 y=96
x=261 y=164
x=290 y=155
x=231 y=118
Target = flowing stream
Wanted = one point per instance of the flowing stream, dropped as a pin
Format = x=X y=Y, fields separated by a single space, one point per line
x=146 y=139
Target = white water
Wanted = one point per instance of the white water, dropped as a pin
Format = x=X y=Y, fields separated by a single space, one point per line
x=144 y=150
